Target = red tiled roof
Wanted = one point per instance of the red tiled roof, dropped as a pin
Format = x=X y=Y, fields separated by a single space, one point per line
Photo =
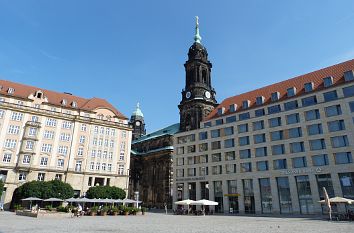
x=336 y=71
x=55 y=98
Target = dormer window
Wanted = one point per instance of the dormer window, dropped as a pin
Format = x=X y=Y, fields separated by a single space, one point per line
x=275 y=96
x=64 y=102
x=308 y=87
x=233 y=107
x=291 y=91
x=74 y=104
x=221 y=111
x=245 y=104
x=260 y=100
x=348 y=76
x=328 y=81
x=39 y=94
x=100 y=116
x=10 y=90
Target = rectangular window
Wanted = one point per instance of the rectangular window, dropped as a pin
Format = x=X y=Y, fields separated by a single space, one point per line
x=215 y=157
x=219 y=122
x=278 y=149
x=347 y=184
x=334 y=110
x=215 y=145
x=63 y=150
x=230 y=168
x=83 y=127
x=259 y=112
x=275 y=96
x=191 y=149
x=65 y=137
x=44 y=161
x=230 y=155
x=259 y=138
x=329 y=96
x=291 y=91
x=245 y=154
x=343 y=157
x=66 y=125
x=312 y=115
x=325 y=181
x=284 y=195
x=229 y=119
x=274 y=109
x=228 y=143
x=78 y=166
x=60 y=163
x=82 y=139
x=279 y=164
x=232 y=108
x=348 y=91
x=244 y=116
x=274 y=122
x=314 y=129
x=16 y=116
x=299 y=162
x=320 y=160
x=262 y=166
x=328 y=81
x=203 y=147
x=339 y=141
x=40 y=176
x=2 y=113
x=246 y=167
x=229 y=131
x=7 y=158
x=258 y=125
x=277 y=135
x=32 y=131
x=308 y=87
x=266 y=195
x=13 y=129
x=291 y=105
x=215 y=133
x=26 y=159
x=317 y=144
x=245 y=104
x=304 y=194
x=292 y=118
x=295 y=132
x=10 y=143
x=51 y=122
x=259 y=100
x=29 y=145
x=309 y=101
x=80 y=151
x=348 y=76
x=297 y=147
x=242 y=128
x=351 y=106
x=261 y=152
x=334 y=126
x=242 y=141
x=48 y=134
x=47 y=148
x=203 y=135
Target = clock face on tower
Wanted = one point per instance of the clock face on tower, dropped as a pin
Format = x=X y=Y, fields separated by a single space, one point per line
x=207 y=94
x=137 y=123
x=188 y=95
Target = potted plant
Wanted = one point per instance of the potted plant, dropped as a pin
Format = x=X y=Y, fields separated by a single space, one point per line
x=114 y=211
x=104 y=210
x=93 y=210
x=125 y=210
x=143 y=210
x=134 y=211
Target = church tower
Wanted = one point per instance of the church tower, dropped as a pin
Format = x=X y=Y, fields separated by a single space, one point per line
x=198 y=96
x=137 y=122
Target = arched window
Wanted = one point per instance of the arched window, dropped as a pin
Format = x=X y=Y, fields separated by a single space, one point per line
x=204 y=76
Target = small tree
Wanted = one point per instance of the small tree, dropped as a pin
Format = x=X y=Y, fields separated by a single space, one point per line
x=106 y=192
x=1 y=187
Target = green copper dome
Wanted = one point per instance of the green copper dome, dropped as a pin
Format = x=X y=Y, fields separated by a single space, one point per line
x=138 y=111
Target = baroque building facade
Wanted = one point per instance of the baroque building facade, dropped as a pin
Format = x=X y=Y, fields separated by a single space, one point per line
x=272 y=150
x=49 y=135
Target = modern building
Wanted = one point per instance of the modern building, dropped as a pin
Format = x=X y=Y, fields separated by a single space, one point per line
x=272 y=150
x=47 y=135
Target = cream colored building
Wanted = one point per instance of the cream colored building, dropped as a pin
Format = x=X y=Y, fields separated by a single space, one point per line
x=272 y=150
x=47 y=135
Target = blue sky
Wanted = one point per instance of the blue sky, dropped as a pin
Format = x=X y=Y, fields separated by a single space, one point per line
x=130 y=51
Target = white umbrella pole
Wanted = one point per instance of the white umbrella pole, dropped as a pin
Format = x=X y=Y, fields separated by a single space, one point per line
x=330 y=213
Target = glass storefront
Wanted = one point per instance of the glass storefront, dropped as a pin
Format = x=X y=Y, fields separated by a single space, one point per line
x=284 y=195
x=266 y=195
x=233 y=196
x=192 y=191
x=324 y=180
x=304 y=193
x=180 y=187
x=347 y=184
x=204 y=190
x=248 y=196
x=218 y=196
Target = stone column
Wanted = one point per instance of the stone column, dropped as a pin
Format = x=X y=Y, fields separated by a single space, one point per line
x=211 y=194
x=275 y=196
x=315 y=195
x=294 y=195
x=225 y=198
x=257 y=196
x=241 y=198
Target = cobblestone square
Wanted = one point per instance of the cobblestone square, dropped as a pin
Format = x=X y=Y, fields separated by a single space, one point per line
x=157 y=222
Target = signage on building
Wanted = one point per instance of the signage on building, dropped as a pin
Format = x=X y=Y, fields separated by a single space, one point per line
x=191 y=178
x=232 y=195
x=301 y=171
